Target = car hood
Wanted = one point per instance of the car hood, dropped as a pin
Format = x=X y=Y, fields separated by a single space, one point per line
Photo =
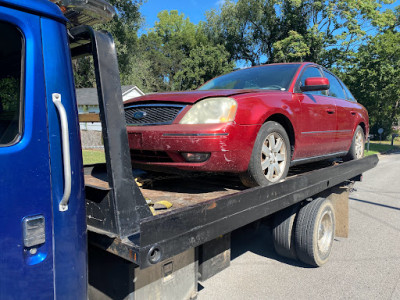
x=189 y=97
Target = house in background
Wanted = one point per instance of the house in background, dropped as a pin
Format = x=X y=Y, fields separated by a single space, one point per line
x=91 y=136
x=89 y=103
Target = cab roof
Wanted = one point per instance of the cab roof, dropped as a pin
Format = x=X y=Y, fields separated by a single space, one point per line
x=43 y=8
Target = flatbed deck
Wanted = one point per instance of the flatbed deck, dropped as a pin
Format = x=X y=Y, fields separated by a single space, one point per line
x=189 y=189
x=203 y=209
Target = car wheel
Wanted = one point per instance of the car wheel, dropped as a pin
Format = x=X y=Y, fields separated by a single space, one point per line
x=270 y=158
x=315 y=232
x=357 y=145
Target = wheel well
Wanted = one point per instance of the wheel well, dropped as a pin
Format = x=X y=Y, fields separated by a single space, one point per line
x=285 y=122
x=363 y=128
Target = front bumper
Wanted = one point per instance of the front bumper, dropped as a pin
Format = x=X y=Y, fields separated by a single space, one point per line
x=230 y=146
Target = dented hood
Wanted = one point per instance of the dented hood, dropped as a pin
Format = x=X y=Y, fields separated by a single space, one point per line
x=189 y=96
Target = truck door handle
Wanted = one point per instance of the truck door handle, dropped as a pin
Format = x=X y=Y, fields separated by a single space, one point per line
x=330 y=111
x=353 y=112
x=63 y=205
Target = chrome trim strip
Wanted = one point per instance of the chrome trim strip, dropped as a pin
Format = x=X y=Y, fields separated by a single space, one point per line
x=319 y=157
x=325 y=131
x=159 y=105
x=195 y=134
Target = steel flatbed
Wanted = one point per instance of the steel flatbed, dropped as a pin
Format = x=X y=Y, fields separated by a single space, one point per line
x=206 y=207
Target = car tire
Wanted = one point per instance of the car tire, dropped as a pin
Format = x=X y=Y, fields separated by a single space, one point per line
x=283 y=232
x=315 y=232
x=356 y=150
x=270 y=158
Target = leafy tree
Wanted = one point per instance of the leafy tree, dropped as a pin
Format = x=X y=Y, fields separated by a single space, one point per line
x=177 y=48
x=374 y=79
x=291 y=49
x=123 y=28
x=203 y=63
x=320 y=31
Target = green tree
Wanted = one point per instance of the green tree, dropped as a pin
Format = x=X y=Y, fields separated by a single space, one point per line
x=374 y=79
x=177 y=48
x=320 y=31
x=203 y=63
x=123 y=28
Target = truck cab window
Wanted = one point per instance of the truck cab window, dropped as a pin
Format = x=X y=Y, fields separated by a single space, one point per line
x=11 y=54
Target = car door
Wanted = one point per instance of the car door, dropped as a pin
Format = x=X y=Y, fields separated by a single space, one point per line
x=316 y=121
x=26 y=219
x=346 y=113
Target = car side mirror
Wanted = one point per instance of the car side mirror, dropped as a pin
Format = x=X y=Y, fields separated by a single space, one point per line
x=315 y=84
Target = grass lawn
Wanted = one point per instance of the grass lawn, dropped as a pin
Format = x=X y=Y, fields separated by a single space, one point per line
x=380 y=147
x=93 y=157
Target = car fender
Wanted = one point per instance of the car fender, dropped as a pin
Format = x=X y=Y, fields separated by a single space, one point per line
x=257 y=109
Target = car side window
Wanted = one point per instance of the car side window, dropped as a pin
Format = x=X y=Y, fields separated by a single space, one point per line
x=311 y=72
x=349 y=95
x=10 y=84
x=335 y=89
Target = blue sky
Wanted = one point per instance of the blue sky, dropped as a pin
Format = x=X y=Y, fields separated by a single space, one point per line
x=193 y=9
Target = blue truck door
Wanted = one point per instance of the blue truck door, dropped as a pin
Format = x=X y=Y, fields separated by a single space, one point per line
x=70 y=250
x=26 y=216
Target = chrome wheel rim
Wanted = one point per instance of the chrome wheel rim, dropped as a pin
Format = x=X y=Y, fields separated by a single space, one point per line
x=359 y=145
x=273 y=157
x=325 y=233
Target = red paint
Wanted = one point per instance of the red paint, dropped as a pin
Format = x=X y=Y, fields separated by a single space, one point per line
x=322 y=125
x=316 y=81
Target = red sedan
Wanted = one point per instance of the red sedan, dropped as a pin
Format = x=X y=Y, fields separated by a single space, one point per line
x=255 y=122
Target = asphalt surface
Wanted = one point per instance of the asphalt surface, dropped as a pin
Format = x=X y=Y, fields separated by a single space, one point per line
x=364 y=266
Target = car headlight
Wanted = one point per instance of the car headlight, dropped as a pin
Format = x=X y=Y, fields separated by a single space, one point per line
x=211 y=111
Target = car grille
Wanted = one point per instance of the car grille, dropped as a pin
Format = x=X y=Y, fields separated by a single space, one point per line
x=150 y=156
x=152 y=114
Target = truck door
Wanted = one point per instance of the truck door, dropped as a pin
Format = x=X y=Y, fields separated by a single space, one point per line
x=26 y=218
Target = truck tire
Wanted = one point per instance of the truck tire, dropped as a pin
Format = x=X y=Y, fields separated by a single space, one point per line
x=284 y=230
x=270 y=158
x=356 y=150
x=315 y=231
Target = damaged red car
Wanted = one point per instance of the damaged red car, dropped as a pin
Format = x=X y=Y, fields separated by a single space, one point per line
x=255 y=122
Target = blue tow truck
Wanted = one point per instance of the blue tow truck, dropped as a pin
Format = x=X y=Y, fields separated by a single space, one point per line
x=70 y=231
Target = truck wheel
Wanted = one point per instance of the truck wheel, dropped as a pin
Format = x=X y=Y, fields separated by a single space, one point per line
x=284 y=230
x=315 y=231
x=270 y=158
x=357 y=145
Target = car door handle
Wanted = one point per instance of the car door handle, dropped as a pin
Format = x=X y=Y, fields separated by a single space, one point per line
x=63 y=205
x=330 y=111
x=353 y=112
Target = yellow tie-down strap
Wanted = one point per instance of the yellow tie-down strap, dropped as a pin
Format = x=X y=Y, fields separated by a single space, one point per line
x=159 y=205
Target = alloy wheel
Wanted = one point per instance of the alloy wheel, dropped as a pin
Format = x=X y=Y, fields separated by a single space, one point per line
x=273 y=157
x=359 y=145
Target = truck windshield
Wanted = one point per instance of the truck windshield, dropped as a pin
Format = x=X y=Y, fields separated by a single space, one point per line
x=269 y=77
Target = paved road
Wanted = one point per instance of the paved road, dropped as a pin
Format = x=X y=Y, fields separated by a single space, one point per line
x=364 y=266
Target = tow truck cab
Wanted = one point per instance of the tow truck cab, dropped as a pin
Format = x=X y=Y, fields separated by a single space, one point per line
x=43 y=237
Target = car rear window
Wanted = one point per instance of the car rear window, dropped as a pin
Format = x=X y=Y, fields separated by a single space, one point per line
x=269 y=77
